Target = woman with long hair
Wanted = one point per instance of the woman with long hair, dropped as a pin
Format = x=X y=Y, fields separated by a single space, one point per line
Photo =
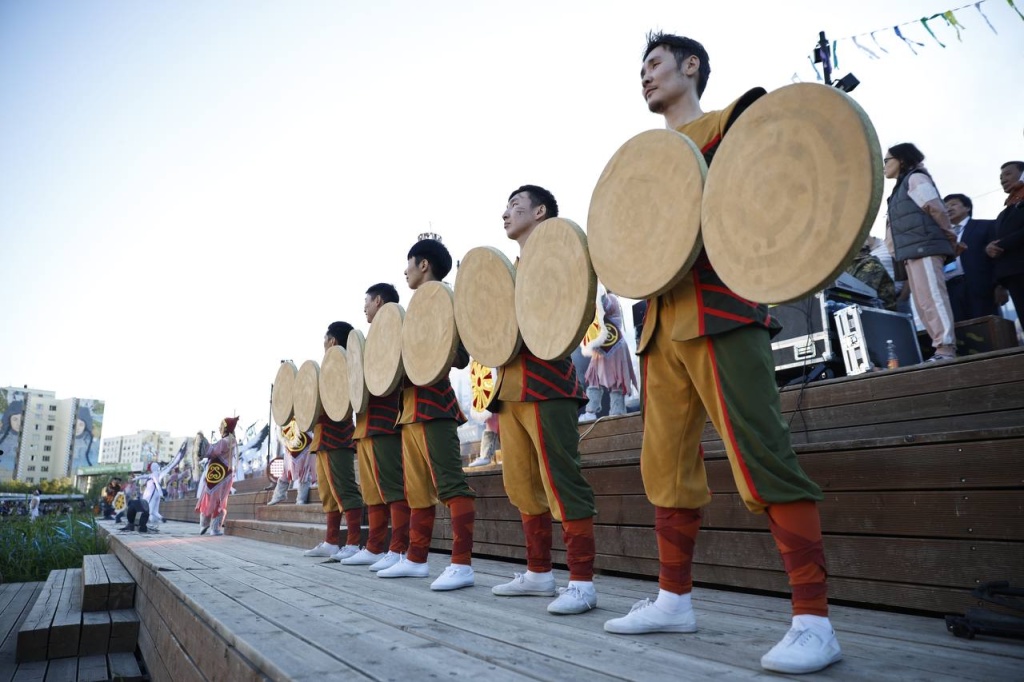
x=920 y=236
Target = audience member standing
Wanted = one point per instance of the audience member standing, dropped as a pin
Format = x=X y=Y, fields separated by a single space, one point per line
x=923 y=239
x=971 y=278
x=1008 y=246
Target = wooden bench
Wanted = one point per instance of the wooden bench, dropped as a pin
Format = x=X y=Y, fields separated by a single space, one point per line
x=106 y=584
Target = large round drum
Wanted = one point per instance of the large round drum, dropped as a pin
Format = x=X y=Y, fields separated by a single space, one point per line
x=281 y=400
x=485 y=306
x=357 y=391
x=308 y=407
x=644 y=223
x=555 y=289
x=429 y=337
x=334 y=389
x=792 y=193
x=382 y=355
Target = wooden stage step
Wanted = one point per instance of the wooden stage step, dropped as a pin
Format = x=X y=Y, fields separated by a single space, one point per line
x=231 y=608
x=106 y=584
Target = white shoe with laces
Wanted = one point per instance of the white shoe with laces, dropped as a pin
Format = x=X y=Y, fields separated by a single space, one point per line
x=363 y=557
x=572 y=600
x=809 y=646
x=523 y=585
x=404 y=568
x=345 y=552
x=645 y=616
x=455 y=577
x=323 y=549
x=387 y=561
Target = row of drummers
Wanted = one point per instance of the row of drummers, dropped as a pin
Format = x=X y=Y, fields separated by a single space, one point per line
x=808 y=151
x=494 y=310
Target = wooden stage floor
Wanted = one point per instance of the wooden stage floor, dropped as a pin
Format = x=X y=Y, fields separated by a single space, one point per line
x=280 y=615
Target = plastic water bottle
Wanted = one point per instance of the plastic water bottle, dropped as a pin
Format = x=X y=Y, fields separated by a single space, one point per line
x=892 y=360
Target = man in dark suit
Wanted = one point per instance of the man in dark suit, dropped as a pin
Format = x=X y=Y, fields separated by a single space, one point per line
x=970 y=279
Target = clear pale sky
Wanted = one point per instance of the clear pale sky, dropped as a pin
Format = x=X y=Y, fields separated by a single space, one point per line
x=191 y=191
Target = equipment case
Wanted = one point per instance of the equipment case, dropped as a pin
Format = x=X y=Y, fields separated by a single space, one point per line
x=863 y=333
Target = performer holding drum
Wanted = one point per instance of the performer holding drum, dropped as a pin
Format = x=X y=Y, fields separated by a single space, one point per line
x=335 y=471
x=379 y=451
x=429 y=418
x=537 y=402
x=213 y=501
x=706 y=351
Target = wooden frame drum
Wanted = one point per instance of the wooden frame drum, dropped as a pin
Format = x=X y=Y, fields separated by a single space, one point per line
x=485 y=306
x=358 y=394
x=382 y=354
x=430 y=339
x=334 y=385
x=281 y=398
x=308 y=408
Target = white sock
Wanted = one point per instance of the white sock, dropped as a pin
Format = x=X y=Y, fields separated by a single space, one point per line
x=670 y=602
x=533 y=576
x=816 y=623
x=585 y=585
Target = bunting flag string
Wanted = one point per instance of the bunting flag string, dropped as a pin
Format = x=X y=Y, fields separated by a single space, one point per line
x=949 y=18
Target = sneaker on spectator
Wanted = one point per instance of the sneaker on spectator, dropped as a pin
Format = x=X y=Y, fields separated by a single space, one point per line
x=323 y=549
x=405 y=569
x=645 y=617
x=455 y=577
x=573 y=599
x=523 y=585
x=481 y=461
x=809 y=646
x=345 y=552
x=587 y=417
x=387 y=561
x=363 y=557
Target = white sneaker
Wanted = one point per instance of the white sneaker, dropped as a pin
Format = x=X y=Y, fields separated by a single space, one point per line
x=481 y=461
x=454 y=577
x=387 y=561
x=345 y=552
x=587 y=417
x=405 y=569
x=323 y=549
x=804 y=649
x=523 y=585
x=363 y=557
x=573 y=599
x=645 y=616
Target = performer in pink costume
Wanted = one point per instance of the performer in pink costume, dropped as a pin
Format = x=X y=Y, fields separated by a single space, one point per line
x=213 y=501
x=611 y=367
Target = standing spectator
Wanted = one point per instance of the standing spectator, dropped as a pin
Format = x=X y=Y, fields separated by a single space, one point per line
x=33 y=505
x=971 y=278
x=923 y=240
x=1008 y=246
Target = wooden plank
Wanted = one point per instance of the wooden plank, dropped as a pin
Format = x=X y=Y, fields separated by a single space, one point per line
x=161 y=651
x=95 y=636
x=95 y=583
x=62 y=670
x=66 y=628
x=93 y=669
x=18 y=600
x=124 y=630
x=121 y=593
x=124 y=667
x=34 y=633
x=34 y=671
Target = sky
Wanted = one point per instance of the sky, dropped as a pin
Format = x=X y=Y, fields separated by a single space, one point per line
x=192 y=191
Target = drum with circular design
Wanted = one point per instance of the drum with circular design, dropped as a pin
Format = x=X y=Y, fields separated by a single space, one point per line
x=430 y=340
x=308 y=407
x=358 y=394
x=555 y=289
x=382 y=354
x=334 y=384
x=793 y=191
x=281 y=398
x=643 y=229
x=485 y=306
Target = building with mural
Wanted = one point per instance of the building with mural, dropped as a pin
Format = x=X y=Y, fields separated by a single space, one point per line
x=44 y=437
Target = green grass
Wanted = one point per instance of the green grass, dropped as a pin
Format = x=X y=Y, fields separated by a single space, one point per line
x=29 y=550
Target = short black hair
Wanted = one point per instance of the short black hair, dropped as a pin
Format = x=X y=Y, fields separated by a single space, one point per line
x=1018 y=164
x=907 y=154
x=539 y=197
x=387 y=292
x=339 y=332
x=963 y=199
x=435 y=253
x=682 y=48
